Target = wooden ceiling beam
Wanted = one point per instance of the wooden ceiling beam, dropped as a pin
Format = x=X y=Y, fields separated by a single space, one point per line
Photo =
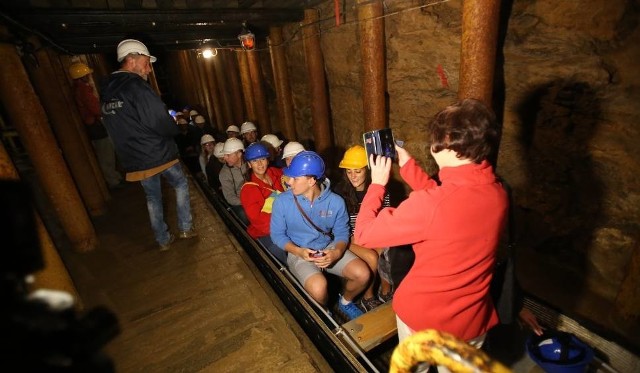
x=123 y=17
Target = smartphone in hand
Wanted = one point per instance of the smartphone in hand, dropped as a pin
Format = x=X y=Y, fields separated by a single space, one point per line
x=379 y=142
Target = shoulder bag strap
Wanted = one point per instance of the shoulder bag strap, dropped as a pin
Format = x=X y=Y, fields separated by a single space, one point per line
x=328 y=234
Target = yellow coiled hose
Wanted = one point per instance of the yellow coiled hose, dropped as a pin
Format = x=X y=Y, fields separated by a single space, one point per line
x=439 y=348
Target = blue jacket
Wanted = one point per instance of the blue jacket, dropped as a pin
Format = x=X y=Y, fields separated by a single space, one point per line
x=137 y=120
x=328 y=212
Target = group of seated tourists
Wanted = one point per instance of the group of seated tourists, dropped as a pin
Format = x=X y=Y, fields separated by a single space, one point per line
x=283 y=197
x=453 y=220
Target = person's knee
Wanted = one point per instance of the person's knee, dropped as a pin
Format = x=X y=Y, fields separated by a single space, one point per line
x=316 y=286
x=358 y=271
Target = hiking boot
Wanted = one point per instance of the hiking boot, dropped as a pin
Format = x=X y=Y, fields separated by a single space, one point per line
x=188 y=234
x=167 y=246
x=368 y=304
x=351 y=311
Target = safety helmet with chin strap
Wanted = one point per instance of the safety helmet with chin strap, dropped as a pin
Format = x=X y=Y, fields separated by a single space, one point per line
x=232 y=145
x=354 y=158
x=247 y=127
x=292 y=148
x=256 y=151
x=78 y=69
x=306 y=163
x=129 y=46
x=559 y=352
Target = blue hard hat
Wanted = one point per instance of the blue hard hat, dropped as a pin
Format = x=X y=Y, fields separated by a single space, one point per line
x=559 y=352
x=255 y=151
x=306 y=163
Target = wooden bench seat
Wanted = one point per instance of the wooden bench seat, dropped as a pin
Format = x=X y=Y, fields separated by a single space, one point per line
x=373 y=328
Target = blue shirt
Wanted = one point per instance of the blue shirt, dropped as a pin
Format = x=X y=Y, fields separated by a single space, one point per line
x=328 y=212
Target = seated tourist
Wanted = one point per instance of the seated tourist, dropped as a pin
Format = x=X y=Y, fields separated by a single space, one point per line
x=233 y=175
x=310 y=222
x=353 y=188
x=257 y=196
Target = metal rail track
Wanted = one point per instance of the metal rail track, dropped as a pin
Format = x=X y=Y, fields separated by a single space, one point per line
x=333 y=342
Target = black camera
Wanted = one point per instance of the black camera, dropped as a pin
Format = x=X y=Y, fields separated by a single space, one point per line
x=379 y=142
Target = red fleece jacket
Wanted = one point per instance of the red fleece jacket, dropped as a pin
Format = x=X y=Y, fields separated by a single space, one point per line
x=454 y=229
x=252 y=198
x=88 y=103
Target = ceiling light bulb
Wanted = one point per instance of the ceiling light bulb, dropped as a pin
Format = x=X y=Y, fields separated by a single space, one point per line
x=208 y=53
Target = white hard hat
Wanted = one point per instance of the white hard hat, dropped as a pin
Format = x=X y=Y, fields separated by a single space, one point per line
x=129 y=46
x=192 y=113
x=199 y=119
x=206 y=138
x=217 y=150
x=273 y=140
x=247 y=127
x=291 y=149
x=232 y=145
x=233 y=128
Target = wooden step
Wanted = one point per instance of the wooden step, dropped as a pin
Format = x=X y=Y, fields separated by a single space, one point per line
x=373 y=328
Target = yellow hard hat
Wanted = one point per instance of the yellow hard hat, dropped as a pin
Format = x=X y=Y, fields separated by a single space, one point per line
x=355 y=157
x=78 y=70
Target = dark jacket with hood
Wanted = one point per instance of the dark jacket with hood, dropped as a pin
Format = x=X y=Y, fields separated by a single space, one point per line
x=138 y=122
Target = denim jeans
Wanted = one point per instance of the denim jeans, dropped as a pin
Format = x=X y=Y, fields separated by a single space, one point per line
x=279 y=253
x=153 y=189
x=238 y=211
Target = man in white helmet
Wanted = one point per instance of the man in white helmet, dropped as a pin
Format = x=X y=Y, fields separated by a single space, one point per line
x=233 y=175
x=273 y=144
x=142 y=131
x=233 y=131
x=249 y=133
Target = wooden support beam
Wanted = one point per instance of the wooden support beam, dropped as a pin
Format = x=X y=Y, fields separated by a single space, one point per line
x=43 y=76
x=480 y=21
x=374 y=77
x=27 y=115
x=259 y=96
x=247 y=90
x=284 y=96
x=54 y=275
x=318 y=96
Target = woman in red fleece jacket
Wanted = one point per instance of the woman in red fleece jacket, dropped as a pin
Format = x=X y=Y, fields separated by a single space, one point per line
x=257 y=194
x=453 y=225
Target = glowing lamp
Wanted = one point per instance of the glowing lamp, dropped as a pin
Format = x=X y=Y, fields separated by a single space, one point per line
x=208 y=52
x=247 y=39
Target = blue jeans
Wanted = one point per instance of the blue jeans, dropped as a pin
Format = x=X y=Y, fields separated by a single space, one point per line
x=153 y=189
x=238 y=211
x=280 y=254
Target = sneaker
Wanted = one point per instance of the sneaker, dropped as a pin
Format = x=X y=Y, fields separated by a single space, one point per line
x=368 y=304
x=386 y=298
x=167 y=246
x=350 y=310
x=188 y=234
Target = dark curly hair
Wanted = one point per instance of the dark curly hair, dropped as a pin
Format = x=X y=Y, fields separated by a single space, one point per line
x=348 y=192
x=468 y=128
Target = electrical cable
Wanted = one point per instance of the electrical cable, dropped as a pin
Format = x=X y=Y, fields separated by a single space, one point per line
x=329 y=28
